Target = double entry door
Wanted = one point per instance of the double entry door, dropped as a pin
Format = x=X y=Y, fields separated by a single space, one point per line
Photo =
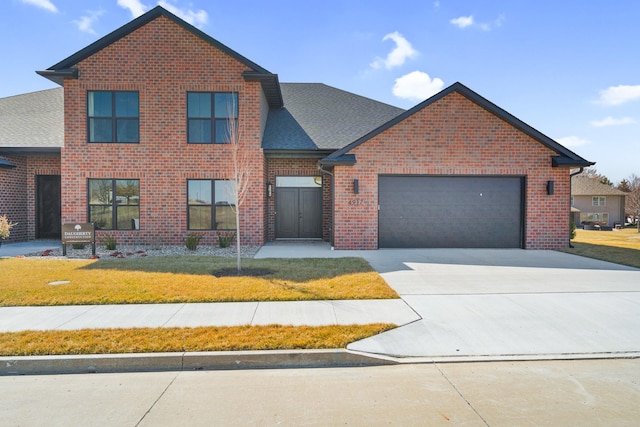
x=298 y=210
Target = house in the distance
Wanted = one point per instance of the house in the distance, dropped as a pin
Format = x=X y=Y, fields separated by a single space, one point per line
x=596 y=204
x=146 y=156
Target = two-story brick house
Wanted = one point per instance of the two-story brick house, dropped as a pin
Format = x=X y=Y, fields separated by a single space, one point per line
x=145 y=156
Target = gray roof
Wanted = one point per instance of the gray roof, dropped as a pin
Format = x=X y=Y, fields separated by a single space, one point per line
x=585 y=186
x=33 y=120
x=320 y=117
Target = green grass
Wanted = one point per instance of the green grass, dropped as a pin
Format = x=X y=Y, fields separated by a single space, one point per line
x=179 y=279
x=619 y=246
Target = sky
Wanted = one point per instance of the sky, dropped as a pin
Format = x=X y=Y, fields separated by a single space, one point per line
x=569 y=68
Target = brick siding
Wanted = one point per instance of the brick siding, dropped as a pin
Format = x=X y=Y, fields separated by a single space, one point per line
x=162 y=61
x=452 y=136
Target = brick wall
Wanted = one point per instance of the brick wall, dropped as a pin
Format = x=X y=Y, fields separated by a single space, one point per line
x=163 y=62
x=297 y=167
x=452 y=136
x=13 y=197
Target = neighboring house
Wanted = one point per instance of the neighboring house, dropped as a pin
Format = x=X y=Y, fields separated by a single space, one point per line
x=594 y=203
x=144 y=155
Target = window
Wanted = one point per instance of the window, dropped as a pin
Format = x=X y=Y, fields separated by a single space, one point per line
x=210 y=205
x=113 y=116
x=210 y=115
x=595 y=217
x=599 y=201
x=114 y=204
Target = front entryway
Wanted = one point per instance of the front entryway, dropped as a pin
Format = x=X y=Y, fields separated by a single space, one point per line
x=298 y=208
x=48 y=224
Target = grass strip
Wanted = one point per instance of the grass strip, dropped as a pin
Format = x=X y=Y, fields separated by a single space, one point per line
x=181 y=279
x=154 y=340
x=619 y=246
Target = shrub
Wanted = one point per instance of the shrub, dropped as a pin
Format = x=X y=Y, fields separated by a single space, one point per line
x=226 y=239
x=192 y=241
x=77 y=245
x=109 y=241
x=5 y=227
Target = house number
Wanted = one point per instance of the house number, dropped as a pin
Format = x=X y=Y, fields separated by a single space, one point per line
x=354 y=202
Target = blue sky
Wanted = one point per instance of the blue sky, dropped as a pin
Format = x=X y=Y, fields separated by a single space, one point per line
x=569 y=68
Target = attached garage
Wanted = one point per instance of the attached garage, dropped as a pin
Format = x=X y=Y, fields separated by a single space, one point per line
x=450 y=212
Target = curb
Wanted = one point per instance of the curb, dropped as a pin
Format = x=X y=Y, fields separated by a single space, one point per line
x=192 y=361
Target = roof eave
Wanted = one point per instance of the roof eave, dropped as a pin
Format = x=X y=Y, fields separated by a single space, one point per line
x=270 y=86
x=344 y=160
x=567 y=162
x=59 y=76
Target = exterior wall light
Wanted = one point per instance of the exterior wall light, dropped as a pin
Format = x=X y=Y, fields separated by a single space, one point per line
x=356 y=186
x=550 y=188
x=269 y=189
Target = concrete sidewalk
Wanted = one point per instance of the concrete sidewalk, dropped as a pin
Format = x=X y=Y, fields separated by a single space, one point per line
x=296 y=313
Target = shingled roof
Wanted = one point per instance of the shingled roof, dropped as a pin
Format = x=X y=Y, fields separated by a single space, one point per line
x=585 y=186
x=320 y=117
x=32 y=121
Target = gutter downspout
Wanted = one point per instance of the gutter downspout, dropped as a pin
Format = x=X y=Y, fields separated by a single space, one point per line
x=571 y=175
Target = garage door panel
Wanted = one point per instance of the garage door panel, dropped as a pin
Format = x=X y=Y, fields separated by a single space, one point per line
x=474 y=212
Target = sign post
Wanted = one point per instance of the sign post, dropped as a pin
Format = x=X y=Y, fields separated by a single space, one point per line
x=78 y=233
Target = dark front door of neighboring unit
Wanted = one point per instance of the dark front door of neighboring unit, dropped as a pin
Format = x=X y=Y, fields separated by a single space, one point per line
x=450 y=212
x=48 y=209
x=298 y=213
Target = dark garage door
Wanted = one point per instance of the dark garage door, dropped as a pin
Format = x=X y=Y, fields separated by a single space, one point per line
x=450 y=212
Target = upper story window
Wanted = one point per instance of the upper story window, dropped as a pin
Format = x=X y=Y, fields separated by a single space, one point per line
x=113 y=116
x=210 y=115
x=599 y=201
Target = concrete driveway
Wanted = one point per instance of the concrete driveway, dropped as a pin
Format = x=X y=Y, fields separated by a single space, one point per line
x=483 y=304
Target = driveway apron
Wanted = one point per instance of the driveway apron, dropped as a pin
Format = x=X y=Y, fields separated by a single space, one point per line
x=508 y=304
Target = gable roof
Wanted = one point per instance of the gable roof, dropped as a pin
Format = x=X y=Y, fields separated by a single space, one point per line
x=32 y=122
x=585 y=186
x=320 y=117
x=65 y=68
x=565 y=157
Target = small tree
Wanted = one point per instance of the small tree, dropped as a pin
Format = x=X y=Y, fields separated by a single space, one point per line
x=238 y=185
x=632 y=199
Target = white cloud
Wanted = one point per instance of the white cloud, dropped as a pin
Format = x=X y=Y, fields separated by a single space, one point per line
x=573 y=141
x=612 y=121
x=468 y=21
x=85 y=23
x=43 y=4
x=197 y=18
x=616 y=95
x=397 y=56
x=463 y=21
x=135 y=7
x=417 y=86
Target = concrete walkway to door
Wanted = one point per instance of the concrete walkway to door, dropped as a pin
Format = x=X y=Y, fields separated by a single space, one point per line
x=487 y=304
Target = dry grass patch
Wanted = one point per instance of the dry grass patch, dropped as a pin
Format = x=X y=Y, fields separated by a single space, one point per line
x=180 y=279
x=149 y=340
x=619 y=246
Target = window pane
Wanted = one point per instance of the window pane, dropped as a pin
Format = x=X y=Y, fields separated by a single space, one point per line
x=99 y=104
x=126 y=216
x=226 y=105
x=127 y=104
x=225 y=218
x=298 y=181
x=101 y=215
x=100 y=191
x=127 y=192
x=127 y=130
x=199 y=192
x=225 y=195
x=100 y=130
x=222 y=131
x=199 y=105
x=199 y=217
x=199 y=131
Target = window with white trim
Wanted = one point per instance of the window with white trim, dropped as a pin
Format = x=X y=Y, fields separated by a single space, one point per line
x=599 y=201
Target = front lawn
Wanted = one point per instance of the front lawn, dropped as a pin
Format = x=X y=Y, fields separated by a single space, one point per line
x=619 y=246
x=178 y=279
